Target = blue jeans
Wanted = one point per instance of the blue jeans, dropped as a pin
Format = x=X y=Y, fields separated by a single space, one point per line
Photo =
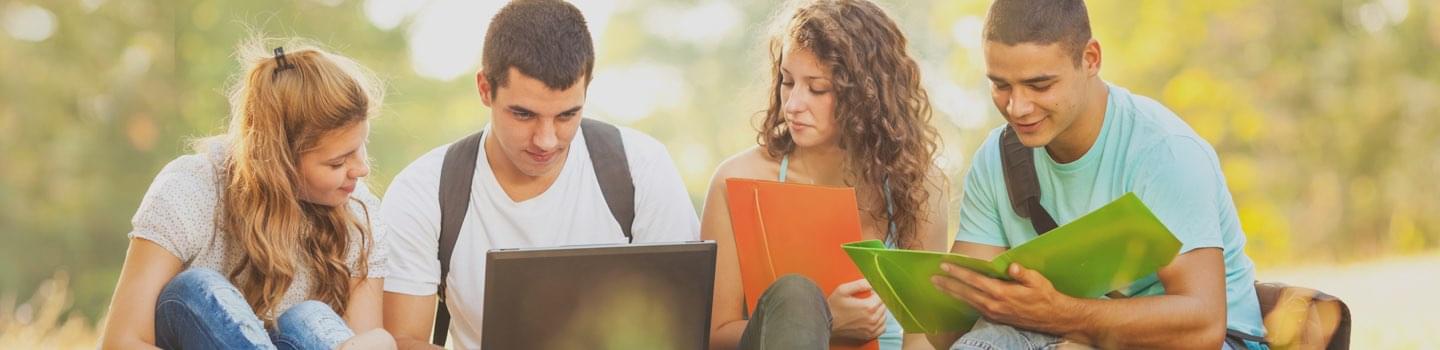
x=991 y=336
x=791 y=314
x=200 y=309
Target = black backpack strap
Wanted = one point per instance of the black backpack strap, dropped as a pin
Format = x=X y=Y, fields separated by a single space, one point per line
x=455 y=178
x=1018 y=162
x=612 y=171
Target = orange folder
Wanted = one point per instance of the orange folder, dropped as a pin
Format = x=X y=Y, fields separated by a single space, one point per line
x=783 y=228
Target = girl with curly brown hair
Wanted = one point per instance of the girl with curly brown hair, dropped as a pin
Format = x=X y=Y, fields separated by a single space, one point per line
x=846 y=109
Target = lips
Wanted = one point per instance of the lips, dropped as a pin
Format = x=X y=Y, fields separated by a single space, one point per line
x=540 y=157
x=348 y=188
x=1027 y=127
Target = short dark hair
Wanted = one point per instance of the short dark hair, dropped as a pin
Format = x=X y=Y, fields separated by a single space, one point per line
x=544 y=39
x=1042 y=22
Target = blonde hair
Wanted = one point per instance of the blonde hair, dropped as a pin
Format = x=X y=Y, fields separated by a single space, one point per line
x=279 y=112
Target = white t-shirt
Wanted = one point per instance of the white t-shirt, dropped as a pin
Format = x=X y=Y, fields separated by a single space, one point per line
x=572 y=211
x=179 y=213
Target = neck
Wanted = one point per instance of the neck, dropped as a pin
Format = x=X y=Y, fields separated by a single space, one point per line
x=516 y=184
x=822 y=165
x=1076 y=140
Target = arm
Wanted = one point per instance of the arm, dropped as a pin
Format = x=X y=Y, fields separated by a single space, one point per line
x=663 y=210
x=411 y=213
x=727 y=319
x=130 y=322
x=1184 y=317
x=363 y=316
x=409 y=319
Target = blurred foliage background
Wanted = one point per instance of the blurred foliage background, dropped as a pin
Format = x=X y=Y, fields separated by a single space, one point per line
x=1323 y=111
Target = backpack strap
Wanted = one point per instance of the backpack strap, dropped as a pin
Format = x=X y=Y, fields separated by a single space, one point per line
x=456 y=174
x=1018 y=162
x=612 y=171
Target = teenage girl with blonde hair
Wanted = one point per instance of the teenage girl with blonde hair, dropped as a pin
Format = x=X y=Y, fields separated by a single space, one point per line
x=263 y=238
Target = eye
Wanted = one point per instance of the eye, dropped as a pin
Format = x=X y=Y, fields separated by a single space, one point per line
x=1002 y=87
x=1042 y=87
x=335 y=166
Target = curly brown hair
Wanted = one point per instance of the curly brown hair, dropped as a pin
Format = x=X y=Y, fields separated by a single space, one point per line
x=882 y=111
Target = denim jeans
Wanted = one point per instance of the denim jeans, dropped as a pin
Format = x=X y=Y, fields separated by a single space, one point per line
x=991 y=336
x=791 y=314
x=200 y=309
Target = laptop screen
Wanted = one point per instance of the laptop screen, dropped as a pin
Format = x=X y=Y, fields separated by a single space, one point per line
x=635 y=296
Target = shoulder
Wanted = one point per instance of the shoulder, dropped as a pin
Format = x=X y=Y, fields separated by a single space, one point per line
x=424 y=172
x=752 y=163
x=193 y=176
x=641 y=149
x=987 y=156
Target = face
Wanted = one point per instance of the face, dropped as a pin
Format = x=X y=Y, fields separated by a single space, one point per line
x=807 y=98
x=532 y=123
x=330 y=169
x=1038 y=88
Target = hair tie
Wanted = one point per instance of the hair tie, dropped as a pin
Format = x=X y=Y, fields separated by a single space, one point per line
x=281 y=63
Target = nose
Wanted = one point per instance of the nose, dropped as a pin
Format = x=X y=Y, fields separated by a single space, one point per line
x=1020 y=105
x=364 y=169
x=544 y=137
x=794 y=101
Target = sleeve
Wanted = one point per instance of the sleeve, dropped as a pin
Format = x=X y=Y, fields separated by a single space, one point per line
x=173 y=213
x=411 y=214
x=366 y=208
x=980 y=220
x=1179 y=180
x=663 y=211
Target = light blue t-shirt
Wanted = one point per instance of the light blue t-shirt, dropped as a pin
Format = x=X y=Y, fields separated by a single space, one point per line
x=1144 y=148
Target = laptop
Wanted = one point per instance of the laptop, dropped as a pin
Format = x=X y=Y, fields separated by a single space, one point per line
x=625 y=296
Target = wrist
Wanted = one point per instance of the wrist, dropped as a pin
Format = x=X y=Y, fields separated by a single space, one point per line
x=1072 y=319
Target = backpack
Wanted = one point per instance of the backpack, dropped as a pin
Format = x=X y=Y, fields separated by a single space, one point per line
x=1297 y=317
x=612 y=171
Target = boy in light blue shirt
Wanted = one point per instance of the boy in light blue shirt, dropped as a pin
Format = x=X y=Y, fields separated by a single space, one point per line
x=1093 y=142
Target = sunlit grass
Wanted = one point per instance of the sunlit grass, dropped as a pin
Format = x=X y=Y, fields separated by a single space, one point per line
x=45 y=321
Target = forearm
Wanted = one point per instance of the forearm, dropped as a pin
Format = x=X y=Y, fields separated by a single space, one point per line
x=127 y=343
x=1165 y=321
x=408 y=343
x=727 y=336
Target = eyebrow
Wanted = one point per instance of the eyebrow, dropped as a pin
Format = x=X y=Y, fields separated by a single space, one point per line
x=342 y=156
x=518 y=109
x=1031 y=80
x=813 y=77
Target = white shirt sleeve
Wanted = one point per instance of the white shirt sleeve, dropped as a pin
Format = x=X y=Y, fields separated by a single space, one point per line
x=178 y=210
x=411 y=211
x=663 y=212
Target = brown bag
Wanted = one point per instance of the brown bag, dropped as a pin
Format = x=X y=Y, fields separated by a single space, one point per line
x=1303 y=318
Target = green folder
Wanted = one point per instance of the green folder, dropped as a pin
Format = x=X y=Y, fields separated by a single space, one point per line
x=1104 y=250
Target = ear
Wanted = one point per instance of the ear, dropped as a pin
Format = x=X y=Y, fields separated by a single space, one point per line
x=1091 y=58
x=483 y=85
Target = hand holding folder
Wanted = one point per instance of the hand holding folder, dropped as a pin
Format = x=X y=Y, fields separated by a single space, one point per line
x=1102 y=251
x=784 y=228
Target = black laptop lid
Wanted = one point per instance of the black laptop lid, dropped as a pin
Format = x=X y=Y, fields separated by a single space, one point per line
x=630 y=296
